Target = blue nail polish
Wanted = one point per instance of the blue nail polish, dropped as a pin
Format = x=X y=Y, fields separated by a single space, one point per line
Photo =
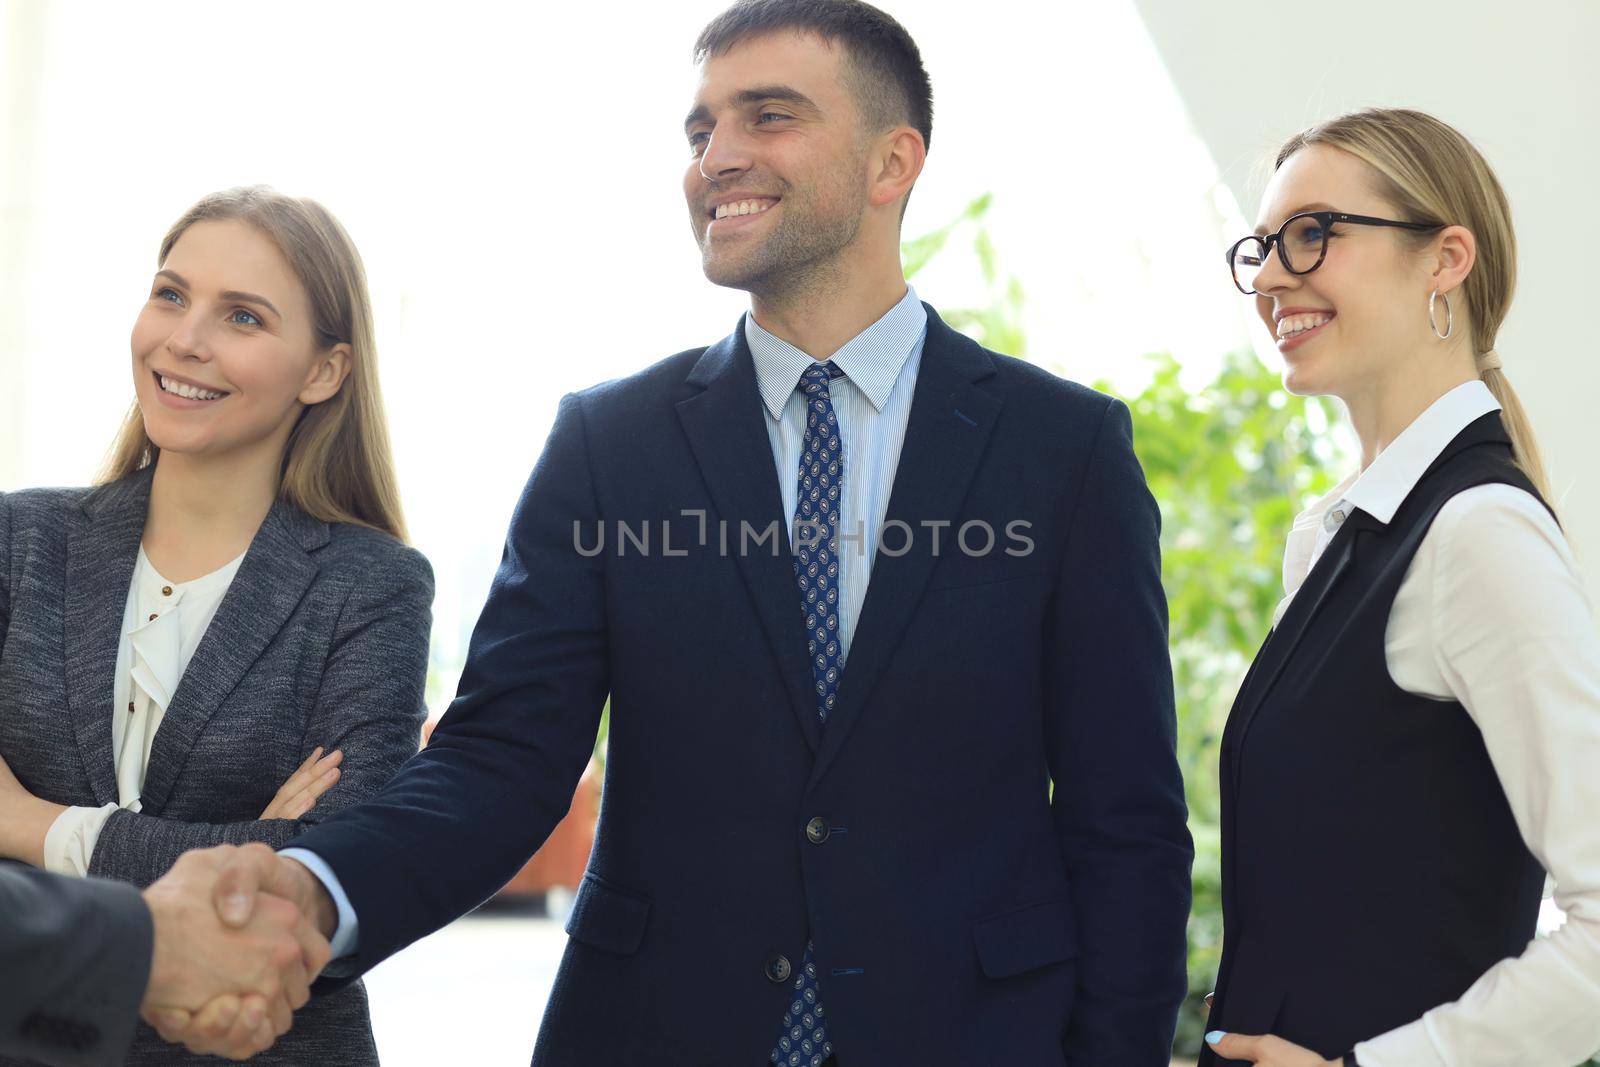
x=1216 y=1035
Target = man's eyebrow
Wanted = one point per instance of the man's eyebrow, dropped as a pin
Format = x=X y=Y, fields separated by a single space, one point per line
x=759 y=94
x=1261 y=229
x=781 y=93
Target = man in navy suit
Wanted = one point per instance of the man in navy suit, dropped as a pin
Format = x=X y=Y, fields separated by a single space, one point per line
x=891 y=776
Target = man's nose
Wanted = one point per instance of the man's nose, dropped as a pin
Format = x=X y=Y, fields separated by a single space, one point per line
x=727 y=154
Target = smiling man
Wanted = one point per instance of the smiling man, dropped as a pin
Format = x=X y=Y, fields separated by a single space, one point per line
x=891 y=773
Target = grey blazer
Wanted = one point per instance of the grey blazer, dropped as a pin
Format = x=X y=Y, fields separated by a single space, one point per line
x=74 y=961
x=322 y=639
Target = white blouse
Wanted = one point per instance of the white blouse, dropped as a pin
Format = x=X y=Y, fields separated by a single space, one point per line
x=161 y=627
x=1492 y=613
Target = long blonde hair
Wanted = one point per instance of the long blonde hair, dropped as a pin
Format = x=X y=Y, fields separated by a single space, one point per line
x=1431 y=173
x=337 y=465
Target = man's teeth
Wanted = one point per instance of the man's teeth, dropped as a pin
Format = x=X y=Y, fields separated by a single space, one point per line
x=1297 y=324
x=743 y=207
x=188 y=391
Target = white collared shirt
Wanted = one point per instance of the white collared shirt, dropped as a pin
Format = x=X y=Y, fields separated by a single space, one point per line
x=162 y=625
x=1492 y=613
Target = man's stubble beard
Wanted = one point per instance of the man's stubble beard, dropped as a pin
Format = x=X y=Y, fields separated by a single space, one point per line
x=800 y=260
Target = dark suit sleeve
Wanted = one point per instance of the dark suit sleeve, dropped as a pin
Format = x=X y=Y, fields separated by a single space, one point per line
x=1111 y=734
x=74 y=962
x=369 y=704
x=500 y=770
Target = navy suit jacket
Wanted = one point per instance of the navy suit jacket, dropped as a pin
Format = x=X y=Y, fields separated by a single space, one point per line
x=963 y=911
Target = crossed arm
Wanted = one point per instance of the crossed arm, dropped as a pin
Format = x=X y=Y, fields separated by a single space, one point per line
x=26 y=821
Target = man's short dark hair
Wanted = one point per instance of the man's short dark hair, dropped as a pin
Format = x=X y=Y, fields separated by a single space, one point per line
x=890 y=84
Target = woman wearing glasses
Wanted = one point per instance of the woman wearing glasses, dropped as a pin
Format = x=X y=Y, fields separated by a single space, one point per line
x=188 y=649
x=1416 y=742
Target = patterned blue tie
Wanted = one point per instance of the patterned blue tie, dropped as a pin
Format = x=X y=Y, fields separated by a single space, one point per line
x=804 y=1040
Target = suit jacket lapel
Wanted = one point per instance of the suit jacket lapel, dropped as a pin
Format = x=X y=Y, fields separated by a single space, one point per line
x=271 y=581
x=102 y=548
x=1285 y=638
x=723 y=423
x=948 y=427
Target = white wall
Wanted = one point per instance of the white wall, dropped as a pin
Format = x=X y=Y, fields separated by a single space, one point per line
x=1518 y=78
x=21 y=32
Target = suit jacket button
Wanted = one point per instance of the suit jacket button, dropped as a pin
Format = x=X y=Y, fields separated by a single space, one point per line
x=778 y=969
x=817 y=830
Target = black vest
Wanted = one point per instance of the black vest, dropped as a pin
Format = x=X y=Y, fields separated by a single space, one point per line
x=1371 y=867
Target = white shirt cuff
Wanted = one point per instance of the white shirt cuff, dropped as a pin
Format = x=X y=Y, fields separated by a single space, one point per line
x=70 y=841
x=1406 y=1046
x=343 y=942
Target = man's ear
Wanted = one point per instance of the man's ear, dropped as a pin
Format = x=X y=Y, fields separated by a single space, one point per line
x=327 y=375
x=896 y=161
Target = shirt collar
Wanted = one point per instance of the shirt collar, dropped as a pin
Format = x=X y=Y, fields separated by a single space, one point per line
x=153 y=586
x=1384 y=485
x=1312 y=516
x=872 y=359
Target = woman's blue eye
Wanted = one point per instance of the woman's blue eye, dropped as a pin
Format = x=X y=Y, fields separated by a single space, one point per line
x=169 y=295
x=247 y=320
x=1310 y=235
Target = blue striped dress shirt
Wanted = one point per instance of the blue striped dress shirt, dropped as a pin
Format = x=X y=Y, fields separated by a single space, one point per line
x=872 y=403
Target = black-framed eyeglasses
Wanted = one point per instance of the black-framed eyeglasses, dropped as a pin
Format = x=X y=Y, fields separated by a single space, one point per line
x=1302 y=243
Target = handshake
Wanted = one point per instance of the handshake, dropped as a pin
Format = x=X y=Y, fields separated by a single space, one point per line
x=240 y=935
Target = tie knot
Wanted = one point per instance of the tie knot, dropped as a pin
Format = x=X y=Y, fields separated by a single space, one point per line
x=815 y=378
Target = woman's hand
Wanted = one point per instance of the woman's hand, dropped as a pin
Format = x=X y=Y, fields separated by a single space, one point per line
x=24 y=820
x=299 y=794
x=11 y=790
x=1267 y=1051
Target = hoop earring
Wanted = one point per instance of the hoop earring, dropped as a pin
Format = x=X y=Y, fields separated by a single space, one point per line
x=1449 y=319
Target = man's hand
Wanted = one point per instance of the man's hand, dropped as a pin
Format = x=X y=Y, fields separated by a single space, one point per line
x=248 y=880
x=227 y=989
x=255 y=870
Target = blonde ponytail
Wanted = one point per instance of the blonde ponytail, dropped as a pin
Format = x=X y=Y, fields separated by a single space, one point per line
x=1524 y=446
